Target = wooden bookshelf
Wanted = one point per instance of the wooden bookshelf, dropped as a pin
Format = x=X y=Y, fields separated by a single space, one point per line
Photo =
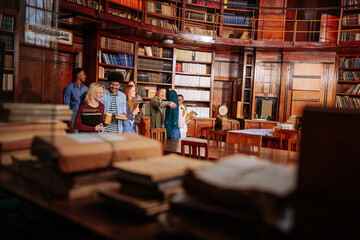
x=194 y=78
x=115 y=54
x=350 y=21
x=9 y=44
x=348 y=85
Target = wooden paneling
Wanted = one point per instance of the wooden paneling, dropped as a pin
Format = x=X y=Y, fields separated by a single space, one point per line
x=222 y=94
x=195 y=126
x=44 y=74
x=271 y=24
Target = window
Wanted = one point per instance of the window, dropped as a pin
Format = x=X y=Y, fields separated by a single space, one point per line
x=39 y=12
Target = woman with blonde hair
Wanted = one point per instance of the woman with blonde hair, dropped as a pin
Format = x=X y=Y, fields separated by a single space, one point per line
x=131 y=110
x=91 y=104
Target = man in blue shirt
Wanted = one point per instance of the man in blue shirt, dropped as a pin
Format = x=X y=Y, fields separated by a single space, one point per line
x=74 y=93
x=114 y=101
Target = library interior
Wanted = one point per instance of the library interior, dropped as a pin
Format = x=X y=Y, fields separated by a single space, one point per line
x=179 y=119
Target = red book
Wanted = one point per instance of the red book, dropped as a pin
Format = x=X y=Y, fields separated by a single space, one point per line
x=178 y=67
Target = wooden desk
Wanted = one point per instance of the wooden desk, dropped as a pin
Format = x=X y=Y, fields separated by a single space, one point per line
x=268 y=140
x=219 y=151
x=94 y=213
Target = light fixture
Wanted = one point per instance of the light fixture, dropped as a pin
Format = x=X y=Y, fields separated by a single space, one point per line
x=168 y=41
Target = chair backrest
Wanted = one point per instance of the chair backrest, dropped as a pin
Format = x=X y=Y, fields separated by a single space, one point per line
x=235 y=125
x=194 y=149
x=285 y=135
x=251 y=140
x=205 y=131
x=218 y=136
x=294 y=144
x=158 y=134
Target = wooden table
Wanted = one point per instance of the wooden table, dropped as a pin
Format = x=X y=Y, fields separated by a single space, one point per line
x=217 y=151
x=268 y=139
x=94 y=214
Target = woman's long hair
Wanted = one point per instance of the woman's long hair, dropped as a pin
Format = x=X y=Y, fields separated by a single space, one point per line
x=92 y=90
x=129 y=99
x=171 y=115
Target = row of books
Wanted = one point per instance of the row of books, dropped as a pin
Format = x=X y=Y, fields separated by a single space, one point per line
x=142 y=91
x=9 y=41
x=154 y=64
x=8 y=82
x=350 y=2
x=351 y=62
x=153 y=77
x=347 y=102
x=200 y=31
x=94 y=4
x=119 y=59
x=235 y=19
x=239 y=3
x=207 y=3
x=123 y=14
x=160 y=8
x=138 y=4
x=194 y=95
x=200 y=16
x=155 y=52
x=103 y=72
x=184 y=80
x=161 y=23
x=355 y=89
x=187 y=55
x=202 y=112
x=195 y=68
x=7 y=22
x=350 y=37
x=117 y=44
x=352 y=19
x=350 y=76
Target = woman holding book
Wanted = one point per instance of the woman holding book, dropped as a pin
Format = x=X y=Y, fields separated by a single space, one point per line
x=131 y=109
x=90 y=115
x=137 y=100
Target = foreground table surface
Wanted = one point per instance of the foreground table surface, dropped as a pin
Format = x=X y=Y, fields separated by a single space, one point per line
x=93 y=213
x=218 y=151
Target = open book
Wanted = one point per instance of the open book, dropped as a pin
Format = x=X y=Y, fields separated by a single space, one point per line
x=189 y=115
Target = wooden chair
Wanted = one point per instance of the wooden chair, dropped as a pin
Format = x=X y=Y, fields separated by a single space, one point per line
x=286 y=135
x=294 y=144
x=158 y=134
x=218 y=136
x=194 y=149
x=205 y=132
x=235 y=126
x=251 y=141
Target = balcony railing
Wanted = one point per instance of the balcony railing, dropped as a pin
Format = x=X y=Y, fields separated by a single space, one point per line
x=333 y=24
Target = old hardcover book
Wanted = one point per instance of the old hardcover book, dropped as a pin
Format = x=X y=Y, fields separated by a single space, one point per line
x=90 y=151
x=91 y=119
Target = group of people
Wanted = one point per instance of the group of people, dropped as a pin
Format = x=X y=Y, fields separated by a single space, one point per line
x=166 y=107
x=98 y=99
x=169 y=113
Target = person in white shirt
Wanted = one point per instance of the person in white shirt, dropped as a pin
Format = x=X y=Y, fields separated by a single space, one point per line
x=182 y=114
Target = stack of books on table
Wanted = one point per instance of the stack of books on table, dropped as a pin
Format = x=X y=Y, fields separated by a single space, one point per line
x=240 y=197
x=146 y=185
x=80 y=164
x=22 y=122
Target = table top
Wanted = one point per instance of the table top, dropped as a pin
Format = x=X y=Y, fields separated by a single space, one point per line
x=218 y=151
x=93 y=213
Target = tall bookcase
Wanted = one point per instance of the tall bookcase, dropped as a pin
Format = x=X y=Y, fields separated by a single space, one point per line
x=154 y=68
x=9 y=53
x=348 y=87
x=350 y=24
x=115 y=54
x=193 y=79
